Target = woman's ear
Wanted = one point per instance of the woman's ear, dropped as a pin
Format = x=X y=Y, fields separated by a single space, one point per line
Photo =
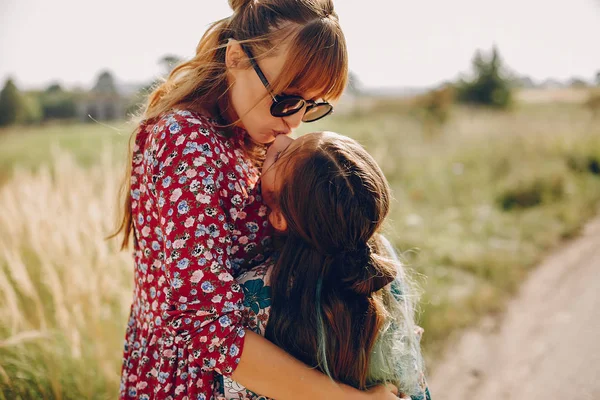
x=234 y=55
x=278 y=221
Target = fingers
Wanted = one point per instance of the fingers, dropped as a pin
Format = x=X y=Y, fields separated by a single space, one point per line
x=391 y=388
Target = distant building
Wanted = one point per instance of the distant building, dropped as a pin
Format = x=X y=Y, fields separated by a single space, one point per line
x=524 y=82
x=103 y=102
x=552 y=84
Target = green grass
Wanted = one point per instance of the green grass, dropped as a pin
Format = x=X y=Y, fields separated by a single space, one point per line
x=33 y=146
x=476 y=206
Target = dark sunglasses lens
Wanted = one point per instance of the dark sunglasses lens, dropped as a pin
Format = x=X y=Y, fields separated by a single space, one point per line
x=317 y=111
x=287 y=106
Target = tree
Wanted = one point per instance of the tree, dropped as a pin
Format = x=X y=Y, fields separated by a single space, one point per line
x=577 y=83
x=11 y=104
x=490 y=85
x=169 y=62
x=598 y=78
x=54 y=88
x=57 y=103
x=105 y=83
x=354 y=85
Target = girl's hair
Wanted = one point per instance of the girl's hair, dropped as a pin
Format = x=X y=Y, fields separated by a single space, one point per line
x=317 y=60
x=329 y=309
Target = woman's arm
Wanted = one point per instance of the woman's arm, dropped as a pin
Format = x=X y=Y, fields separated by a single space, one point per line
x=256 y=286
x=266 y=369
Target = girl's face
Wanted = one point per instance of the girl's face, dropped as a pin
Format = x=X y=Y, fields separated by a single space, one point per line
x=274 y=174
x=272 y=171
x=251 y=100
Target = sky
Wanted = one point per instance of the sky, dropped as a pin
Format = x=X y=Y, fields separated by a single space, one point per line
x=391 y=43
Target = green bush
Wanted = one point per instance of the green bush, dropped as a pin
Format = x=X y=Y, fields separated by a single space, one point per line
x=588 y=163
x=32 y=110
x=11 y=104
x=435 y=108
x=526 y=192
x=593 y=103
x=58 y=103
x=490 y=86
x=583 y=157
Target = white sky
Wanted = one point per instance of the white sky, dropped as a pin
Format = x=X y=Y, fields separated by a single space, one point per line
x=391 y=42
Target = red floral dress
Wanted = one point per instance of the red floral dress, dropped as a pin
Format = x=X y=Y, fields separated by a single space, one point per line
x=198 y=221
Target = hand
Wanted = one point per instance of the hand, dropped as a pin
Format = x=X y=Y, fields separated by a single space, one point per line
x=385 y=392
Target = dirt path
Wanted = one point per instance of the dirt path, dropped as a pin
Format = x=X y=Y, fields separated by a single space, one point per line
x=546 y=346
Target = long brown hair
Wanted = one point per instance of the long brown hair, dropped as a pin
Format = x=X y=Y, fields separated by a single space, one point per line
x=327 y=307
x=317 y=59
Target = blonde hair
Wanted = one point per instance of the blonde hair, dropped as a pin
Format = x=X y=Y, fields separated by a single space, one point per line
x=312 y=29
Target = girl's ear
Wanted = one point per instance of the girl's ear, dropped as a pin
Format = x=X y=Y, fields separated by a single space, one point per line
x=278 y=221
x=234 y=55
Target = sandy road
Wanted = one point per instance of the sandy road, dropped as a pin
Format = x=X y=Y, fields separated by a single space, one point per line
x=546 y=346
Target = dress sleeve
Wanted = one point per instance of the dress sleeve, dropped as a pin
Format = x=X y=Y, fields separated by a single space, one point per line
x=204 y=301
x=252 y=233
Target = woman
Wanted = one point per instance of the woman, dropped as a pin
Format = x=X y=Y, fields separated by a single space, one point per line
x=195 y=214
x=330 y=295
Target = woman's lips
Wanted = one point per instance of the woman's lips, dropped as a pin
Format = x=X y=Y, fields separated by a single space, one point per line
x=277 y=133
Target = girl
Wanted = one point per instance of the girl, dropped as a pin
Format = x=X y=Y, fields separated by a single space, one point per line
x=195 y=214
x=331 y=297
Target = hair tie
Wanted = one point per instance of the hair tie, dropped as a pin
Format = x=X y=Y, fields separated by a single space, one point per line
x=358 y=256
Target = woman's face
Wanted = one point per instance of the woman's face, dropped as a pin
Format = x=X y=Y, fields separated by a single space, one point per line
x=251 y=100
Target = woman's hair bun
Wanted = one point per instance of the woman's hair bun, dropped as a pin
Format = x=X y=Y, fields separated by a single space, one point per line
x=238 y=4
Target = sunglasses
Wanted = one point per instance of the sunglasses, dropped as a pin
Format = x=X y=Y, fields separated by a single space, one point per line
x=285 y=105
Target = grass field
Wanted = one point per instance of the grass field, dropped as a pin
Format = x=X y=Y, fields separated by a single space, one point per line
x=476 y=205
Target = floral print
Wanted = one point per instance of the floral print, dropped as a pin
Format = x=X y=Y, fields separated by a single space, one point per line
x=257 y=304
x=256 y=295
x=199 y=221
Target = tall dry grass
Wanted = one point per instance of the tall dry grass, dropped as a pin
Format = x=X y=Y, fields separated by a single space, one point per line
x=64 y=291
